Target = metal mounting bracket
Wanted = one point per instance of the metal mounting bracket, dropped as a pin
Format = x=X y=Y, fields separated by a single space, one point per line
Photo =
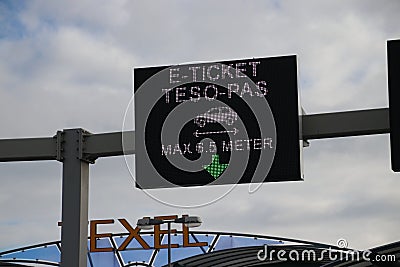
x=82 y=137
x=59 y=145
x=83 y=134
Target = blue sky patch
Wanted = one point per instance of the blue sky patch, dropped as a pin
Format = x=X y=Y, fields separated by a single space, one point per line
x=10 y=24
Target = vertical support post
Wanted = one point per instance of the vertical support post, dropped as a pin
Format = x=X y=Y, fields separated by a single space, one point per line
x=75 y=190
x=169 y=244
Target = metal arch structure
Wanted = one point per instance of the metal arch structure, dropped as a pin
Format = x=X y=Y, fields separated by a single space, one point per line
x=16 y=256
x=240 y=250
x=77 y=148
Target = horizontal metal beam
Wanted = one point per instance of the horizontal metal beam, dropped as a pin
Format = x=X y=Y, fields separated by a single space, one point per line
x=95 y=146
x=109 y=144
x=28 y=149
x=315 y=126
x=342 y=124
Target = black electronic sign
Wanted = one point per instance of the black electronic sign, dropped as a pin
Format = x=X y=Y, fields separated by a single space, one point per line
x=217 y=123
x=393 y=50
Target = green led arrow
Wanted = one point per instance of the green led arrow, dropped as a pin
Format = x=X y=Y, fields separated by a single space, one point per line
x=215 y=168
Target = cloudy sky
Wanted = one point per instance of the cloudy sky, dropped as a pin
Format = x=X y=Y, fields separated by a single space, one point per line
x=66 y=65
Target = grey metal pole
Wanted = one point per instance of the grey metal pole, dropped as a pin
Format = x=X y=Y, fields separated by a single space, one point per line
x=169 y=244
x=75 y=190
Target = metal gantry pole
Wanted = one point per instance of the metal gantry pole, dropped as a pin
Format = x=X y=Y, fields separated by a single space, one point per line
x=169 y=244
x=75 y=191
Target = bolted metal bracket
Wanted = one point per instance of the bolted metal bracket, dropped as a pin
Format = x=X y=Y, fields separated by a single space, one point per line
x=59 y=145
x=81 y=146
x=306 y=143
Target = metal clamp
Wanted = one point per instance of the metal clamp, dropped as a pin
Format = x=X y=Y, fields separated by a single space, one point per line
x=59 y=145
x=60 y=142
x=81 y=147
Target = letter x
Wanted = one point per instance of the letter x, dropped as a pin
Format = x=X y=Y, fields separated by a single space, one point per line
x=133 y=233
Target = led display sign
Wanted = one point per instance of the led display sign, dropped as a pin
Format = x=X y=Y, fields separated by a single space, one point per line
x=217 y=123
